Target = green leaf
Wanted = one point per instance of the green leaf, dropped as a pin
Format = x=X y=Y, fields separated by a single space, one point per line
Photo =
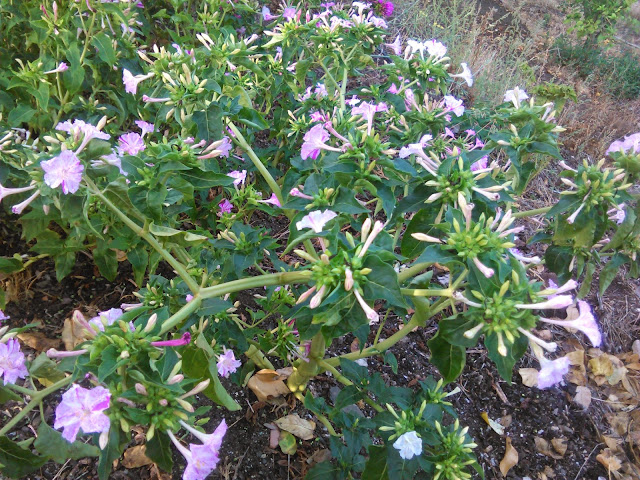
x=45 y=368
x=64 y=264
x=108 y=362
x=376 y=467
x=209 y=123
x=106 y=260
x=116 y=192
x=422 y=222
x=21 y=114
x=139 y=259
x=288 y=443
x=112 y=451
x=449 y=359
x=181 y=235
x=7 y=395
x=325 y=471
x=105 y=49
x=610 y=271
x=51 y=444
x=382 y=282
x=159 y=450
x=16 y=462
x=10 y=265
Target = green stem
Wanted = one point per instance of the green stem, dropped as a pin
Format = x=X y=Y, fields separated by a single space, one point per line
x=36 y=398
x=324 y=420
x=427 y=292
x=531 y=213
x=177 y=266
x=181 y=314
x=275 y=188
x=412 y=270
x=282 y=278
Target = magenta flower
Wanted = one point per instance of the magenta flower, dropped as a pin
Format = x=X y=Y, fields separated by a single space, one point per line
x=178 y=342
x=146 y=127
x=585 y=322
x=131 y=82
x=225 y=206
x=12 y=364
x=314 y=141
x=106 y=318
x=63 y=171
x=82 y=408
x=552 y=371
x=201 y=459
x=295 y=192
x=239 y=177
x=131 y=143
x=227 y=363
x=386 y=7
x=366 y=110
x=316 y=220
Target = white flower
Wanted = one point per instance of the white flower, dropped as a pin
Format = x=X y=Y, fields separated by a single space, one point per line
x=408 y=444
x=466 y=74
x=436 y=49
x=516 y=96
x=316 y=220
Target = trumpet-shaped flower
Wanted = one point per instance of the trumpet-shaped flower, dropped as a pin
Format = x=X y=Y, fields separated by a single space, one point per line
x=201 y=459
x=12 y=364
x=515 y=96
x=466 y=74
x=185 y=339
x=408 y=444
x=146 y=127
x=5 y=192
x=629 y=144
x=225 y=206
x=82 y=408
x=131 y=81
x=106 y=318
x=227 y=363
x=3 y=316
x=211 y=440
x=453 y=105
x=238 y=176
x=273 y=200
x=63 y=171
x=585 y=322
x=435 y=48
x=316 y=220
x=314 y=141
x=396 y=46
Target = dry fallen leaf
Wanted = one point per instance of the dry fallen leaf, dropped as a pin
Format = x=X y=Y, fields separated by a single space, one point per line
x=608 y=366
x=583 y=397
x=609 y=460
x=510 y=458
x=544 y=447
x=73 y=334
x=38 y=341
x=323 y=455
x=529 y=376
x=300 y=427
x=267 y=384
x=495 y=426
x=156 y=474
x=559 y=445
x=135 y=457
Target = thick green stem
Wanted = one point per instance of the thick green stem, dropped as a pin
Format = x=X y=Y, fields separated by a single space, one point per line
x=282 y=278
x=305 y=370
x=413 y=270
x=427 y=292
x=177 y=266
x=255 y=354
x=36 y=398
x=531 y=213
x=275 y=188
x=181 y=314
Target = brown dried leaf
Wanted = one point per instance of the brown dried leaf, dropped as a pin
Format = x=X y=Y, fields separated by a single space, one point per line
x=609 y=460
x=544 y=447
x=583 y=397
x=156 y=474
x=136 y=457
x=267 y=385
x=495 y=426
x=300 y=427
x=506 y=421
x=38 y=341
x=559 y=445
x=323 y=455
x=529 y=376
x=73 y=334
x=510 y=458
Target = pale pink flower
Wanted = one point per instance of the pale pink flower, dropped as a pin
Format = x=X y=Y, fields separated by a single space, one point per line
x=629 y=144
x=435 y=48
x=227 y=363
x=211 y=440
x=295 y=192
x=557 y=302
x=62 y=67
x=146 y=127
x=480 y=164
x=266 y=14
x=273 y=200
x=453 y=105
x=131 y=82
x=515 y=96
x=316 y=220
x=131 y=143
x=238 y=176
x=314 y=141
x=552 y=371
x=289 y=13
x=106 y=318
x=82 y=408
x=416 y=148
x=5 y=192
x=188 y=298
x=396 y=46
x=466 y=74
x=3 y=316
x=12 y=360
x=148 y=99
x=201 y=459
x=585 y=322
x=19 y=207
x=225 y=147
x=63 y=171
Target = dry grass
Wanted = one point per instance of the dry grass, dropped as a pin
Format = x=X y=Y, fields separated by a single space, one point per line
x=489 y=39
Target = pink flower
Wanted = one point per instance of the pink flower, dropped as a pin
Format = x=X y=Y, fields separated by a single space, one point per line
x=453 y=105
x=131 y=143
x=225 y=147
x=19 y=207
x=148 y=99
x=295 y=192
x=3 y=316
x=289 y=13
x=131 y=82
x=480 y=164
x=188 y=298
x=239 y=177
x=266 y=14
x=177 y=342
x=557 y=302
x=227 y=363
x=82 y=408
x=585 y=322
x=106 y=318
x=5 y=192
x=416 y=148
x=552 y=371
x=466 y=74
x=629 y=144
x=396 y=46
x=314 y=141
x=225 y=206
x=316 y=220
x=435 y=48
x=146 y=127
x=515 y=96
x=321 y=91
x=201 y=459
x=62 y=67
x=273 y=200
x=211 y=440
x=64 y=171
x=12 y=364
x=386 y=7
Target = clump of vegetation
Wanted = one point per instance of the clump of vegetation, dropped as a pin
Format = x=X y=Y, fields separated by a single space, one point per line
x=596 y=19
x=618 y=74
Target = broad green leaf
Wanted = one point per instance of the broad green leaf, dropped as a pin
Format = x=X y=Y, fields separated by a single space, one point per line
x=51 y=444
x=159 y=450
x=16 y=462
x=21 y=114
x=106 y=260
x=288 y=443
x=45 y=368
x=209 y=123
x=610 y=271
x=376 y=467
x=10 y=265
x=449 y=359
x=103 y=45
x=382 y=282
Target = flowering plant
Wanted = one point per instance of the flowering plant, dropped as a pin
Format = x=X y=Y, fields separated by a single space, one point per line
x=383 y=189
